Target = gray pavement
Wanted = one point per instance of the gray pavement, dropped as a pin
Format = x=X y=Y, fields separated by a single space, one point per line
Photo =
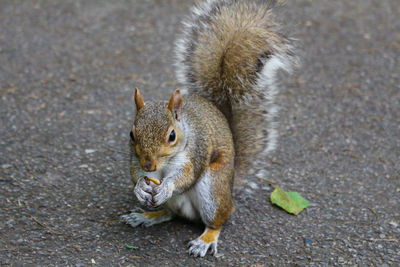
x=67 y=71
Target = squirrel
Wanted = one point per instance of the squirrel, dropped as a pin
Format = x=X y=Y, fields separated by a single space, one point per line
x=186 y=151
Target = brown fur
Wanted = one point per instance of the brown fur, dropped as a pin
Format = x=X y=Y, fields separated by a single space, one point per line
x=210 y=151
x=227 y=56
x=138 y=99
x=154 y=214
x=210 y=235
x=151 y=134
x=133 y=176
x=212 y=134
x=187 y=178
x=224 y=51
x=175 y=104
x=214 y=137
x=222 y=187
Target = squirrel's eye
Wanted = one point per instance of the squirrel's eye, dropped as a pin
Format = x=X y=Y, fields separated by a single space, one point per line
x=132 y=137
x=172 y=136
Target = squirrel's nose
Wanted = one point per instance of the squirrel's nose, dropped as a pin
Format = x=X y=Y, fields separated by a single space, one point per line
x=149 y=166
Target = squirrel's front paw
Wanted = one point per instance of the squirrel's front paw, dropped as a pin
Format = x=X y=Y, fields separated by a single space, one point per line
x=162 y=193
x=144 y=192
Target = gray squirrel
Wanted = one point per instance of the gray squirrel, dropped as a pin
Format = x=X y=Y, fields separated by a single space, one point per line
x=185 y=152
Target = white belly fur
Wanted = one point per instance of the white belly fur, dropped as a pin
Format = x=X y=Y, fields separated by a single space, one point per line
x=196 y=203
x=182 y=205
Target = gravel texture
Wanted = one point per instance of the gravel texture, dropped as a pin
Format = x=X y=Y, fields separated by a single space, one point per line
x=67 y=73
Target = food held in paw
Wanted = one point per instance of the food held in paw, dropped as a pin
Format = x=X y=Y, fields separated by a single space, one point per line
x=154 y=180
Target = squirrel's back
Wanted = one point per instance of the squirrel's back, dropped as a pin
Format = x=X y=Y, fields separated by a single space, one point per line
x=229 y=53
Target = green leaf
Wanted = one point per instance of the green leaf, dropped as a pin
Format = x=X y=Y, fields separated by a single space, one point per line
x=131 y=247
x=398 y=190
x=292 y=202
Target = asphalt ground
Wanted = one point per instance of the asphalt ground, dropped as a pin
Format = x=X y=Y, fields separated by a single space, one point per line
x=67 y=73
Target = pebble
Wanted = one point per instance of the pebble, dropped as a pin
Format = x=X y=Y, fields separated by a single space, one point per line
x=6 y=166
x=253 y=185
x=262 y=174
x=90 y=151
x=307 y=241
x=248 y=191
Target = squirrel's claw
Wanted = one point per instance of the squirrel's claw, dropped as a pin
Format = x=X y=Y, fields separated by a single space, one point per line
x=199 y=248
x=143 y=192
x=147 y=219
x=162 y=193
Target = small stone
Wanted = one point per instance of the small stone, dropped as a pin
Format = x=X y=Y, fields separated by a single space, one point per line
x=307 y=241
x=325 y=244
x=262 y=174
x=253 y=185
x=249 y=191
x=90 y=151
x=6 y=166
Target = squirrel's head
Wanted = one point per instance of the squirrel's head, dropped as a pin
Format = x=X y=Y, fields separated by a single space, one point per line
x=156 y=135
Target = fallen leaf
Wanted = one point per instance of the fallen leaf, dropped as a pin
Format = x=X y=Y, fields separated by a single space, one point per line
x=291 y=202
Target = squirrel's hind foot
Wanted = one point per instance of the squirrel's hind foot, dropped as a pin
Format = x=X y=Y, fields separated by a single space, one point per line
x=207 y=241
x=147 y=219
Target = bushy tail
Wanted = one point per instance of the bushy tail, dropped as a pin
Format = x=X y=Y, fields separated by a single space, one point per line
x=229 y=53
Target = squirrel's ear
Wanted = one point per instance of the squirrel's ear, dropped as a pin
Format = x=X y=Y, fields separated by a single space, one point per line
x=138 y=99
x=175 y=104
